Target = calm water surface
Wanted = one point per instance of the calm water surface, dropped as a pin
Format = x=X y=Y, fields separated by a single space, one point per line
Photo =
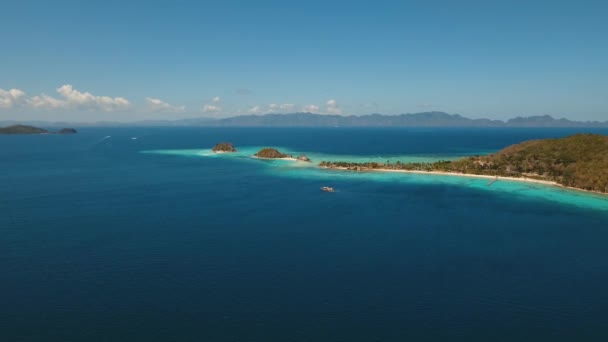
x=101 y=242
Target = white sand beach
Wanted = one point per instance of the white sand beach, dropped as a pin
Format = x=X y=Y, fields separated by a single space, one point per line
x=456 y=174
x=284 y=158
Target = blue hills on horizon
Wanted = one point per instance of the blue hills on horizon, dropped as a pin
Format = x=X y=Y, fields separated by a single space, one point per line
x=305 y=119
x=424 y=119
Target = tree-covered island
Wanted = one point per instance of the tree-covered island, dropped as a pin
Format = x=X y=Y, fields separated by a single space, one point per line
x=224 y=147
x=271 y=153
x=579 y=161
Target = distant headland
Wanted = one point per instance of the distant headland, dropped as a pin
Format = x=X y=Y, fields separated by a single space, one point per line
x=24 y=129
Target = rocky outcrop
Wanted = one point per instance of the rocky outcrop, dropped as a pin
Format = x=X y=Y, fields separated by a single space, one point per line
x=303 y=157
x=224 y=147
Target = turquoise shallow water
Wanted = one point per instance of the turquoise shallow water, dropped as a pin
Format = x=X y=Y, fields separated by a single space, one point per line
x=316 y=157
x=101 y=242
x=296 y=169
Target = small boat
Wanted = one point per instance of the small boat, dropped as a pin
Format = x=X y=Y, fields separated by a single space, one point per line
x=327 y=189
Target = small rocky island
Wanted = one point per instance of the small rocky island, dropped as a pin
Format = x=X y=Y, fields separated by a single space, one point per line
x=67 y=131
x=223 y=147
x=24 y=129
x=271 y=153
x=303 y=157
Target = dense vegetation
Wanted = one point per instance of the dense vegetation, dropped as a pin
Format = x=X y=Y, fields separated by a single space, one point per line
x=224 y=147
x=579 y=161
x=270 y=153
x=22 y=129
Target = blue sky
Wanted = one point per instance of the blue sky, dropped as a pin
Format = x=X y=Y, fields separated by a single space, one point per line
x=113 y=60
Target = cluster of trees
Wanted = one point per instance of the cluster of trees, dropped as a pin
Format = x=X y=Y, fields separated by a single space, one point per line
x=436 y=166
x=270 y=153
x=579 y=161
x=224 y=147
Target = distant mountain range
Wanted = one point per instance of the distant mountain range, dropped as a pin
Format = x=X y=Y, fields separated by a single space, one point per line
x=426 y=119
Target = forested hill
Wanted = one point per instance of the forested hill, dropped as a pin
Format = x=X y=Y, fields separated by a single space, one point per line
x=579 y=161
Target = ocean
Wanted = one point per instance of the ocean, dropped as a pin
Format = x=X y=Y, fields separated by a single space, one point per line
x=143 y=234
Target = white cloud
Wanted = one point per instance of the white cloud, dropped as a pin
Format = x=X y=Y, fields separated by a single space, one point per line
x=271 y=108
x=211 y=109
x=332 y=107
x=158 y=105
x=214 y=106
x=255 y=110
x=70 y=98
x=44 y=101
x=311 y=108
x=74 y=99
x=11 y=98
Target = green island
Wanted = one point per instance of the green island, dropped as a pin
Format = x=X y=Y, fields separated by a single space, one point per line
x=271 y=153
x=224 y=147
x=578 y=161
x=24 y=129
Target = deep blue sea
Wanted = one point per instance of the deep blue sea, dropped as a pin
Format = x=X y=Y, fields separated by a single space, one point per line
x=142 y=234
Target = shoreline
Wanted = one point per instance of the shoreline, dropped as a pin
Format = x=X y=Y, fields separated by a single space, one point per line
x=471 y=175
x=284 y=158
x=522 y=179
